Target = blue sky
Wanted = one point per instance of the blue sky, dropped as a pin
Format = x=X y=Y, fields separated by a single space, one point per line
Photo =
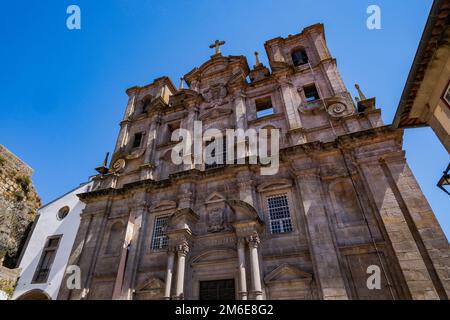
x=63 y=92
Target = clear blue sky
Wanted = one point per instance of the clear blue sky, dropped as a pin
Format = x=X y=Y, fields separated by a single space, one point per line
x=62 y=93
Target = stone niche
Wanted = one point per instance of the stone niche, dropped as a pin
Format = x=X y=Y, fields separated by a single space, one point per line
x=216 y=214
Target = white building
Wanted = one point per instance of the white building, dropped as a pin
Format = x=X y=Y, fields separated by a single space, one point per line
x=44 y=259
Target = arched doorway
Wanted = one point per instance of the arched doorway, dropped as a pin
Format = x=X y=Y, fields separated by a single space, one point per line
x=35 y=294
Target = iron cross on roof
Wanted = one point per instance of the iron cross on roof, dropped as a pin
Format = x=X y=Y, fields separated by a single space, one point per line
x=217 y=45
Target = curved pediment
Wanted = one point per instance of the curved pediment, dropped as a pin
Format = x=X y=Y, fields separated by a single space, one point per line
x=216 y=113
x=287 y=272
x=151 y=284
x=164 y=205
x=275 y=184
x=215 y=256
x=243 y=211
x=182 y=219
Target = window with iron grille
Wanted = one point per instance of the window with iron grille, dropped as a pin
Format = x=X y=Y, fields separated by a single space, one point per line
x=46 y=261
x=279 y=214
x=222 y=156
x=159 y=239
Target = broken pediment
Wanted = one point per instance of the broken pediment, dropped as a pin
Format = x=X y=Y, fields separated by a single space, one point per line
x=215 y=113
x=182 y=219
x=152 y=284
x=285 y=273
x=242 y=211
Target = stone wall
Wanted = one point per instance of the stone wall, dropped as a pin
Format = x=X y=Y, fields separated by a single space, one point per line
x=18 y=204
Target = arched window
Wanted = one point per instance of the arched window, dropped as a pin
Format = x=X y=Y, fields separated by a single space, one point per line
x=299 y=57
x=115 y=238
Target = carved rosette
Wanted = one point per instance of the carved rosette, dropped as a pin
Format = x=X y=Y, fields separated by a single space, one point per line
x=118 y=166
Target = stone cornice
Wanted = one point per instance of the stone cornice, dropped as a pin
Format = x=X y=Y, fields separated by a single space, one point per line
x=344 y=141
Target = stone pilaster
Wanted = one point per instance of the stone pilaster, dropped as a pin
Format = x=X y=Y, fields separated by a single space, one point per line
x=133 y=243
x=391 y=213
x=324 y=253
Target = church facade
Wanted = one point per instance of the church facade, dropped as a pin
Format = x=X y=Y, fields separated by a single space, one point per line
x=343 y=218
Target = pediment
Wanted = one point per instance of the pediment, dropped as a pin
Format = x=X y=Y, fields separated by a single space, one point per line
x=215 y=256
x=164 y=205
x=215 y=197
x=285 y=273
x=242 y=211
x=182 y=219
x=275 y=184
x=216 y=113
x=152 y=284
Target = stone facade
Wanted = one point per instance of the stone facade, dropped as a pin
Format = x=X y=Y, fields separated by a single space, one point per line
x=18 y=204
x=155 y=230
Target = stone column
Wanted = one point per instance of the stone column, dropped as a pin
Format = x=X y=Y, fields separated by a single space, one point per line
x=169 y=273
x=253 y=243
x=242 y=277
x=324 y=254
x=182 y=251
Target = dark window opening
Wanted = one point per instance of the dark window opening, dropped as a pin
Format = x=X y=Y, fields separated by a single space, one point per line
x=264 y=107
x=311 y=93
x=171 y=128
x=46 y=261
x=299 y=57
x=217 y=290
x=221 y=157
x=137 y=140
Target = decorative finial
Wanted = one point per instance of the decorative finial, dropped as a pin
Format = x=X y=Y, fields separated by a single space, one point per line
x=181 y=83
x=216 y=45
x=257 y=63
x=105 y=162
x=361 y=94
x=103 y=169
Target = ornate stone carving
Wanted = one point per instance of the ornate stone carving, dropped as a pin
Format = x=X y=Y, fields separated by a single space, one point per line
x=118 y=166
x=182 y=249
x=253 y=240
x=215 y=95
x=216 y=221
x=336 y=109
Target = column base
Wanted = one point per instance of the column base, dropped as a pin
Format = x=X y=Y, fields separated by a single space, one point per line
x=243 y=295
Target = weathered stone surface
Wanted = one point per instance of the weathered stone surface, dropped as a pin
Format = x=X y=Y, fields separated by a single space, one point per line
x=353 y=203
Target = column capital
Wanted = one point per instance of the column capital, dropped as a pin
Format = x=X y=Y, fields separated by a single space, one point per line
x=253 y=240
x=182 y=249
x=240 y=242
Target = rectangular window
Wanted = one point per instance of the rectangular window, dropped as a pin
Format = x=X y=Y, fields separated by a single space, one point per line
x=311 y=93
x=137 y=140
x=159 y=238
x=222 y=156
x=279 y=214
x=47 y=258
x=264 y=107
x=171 y=128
